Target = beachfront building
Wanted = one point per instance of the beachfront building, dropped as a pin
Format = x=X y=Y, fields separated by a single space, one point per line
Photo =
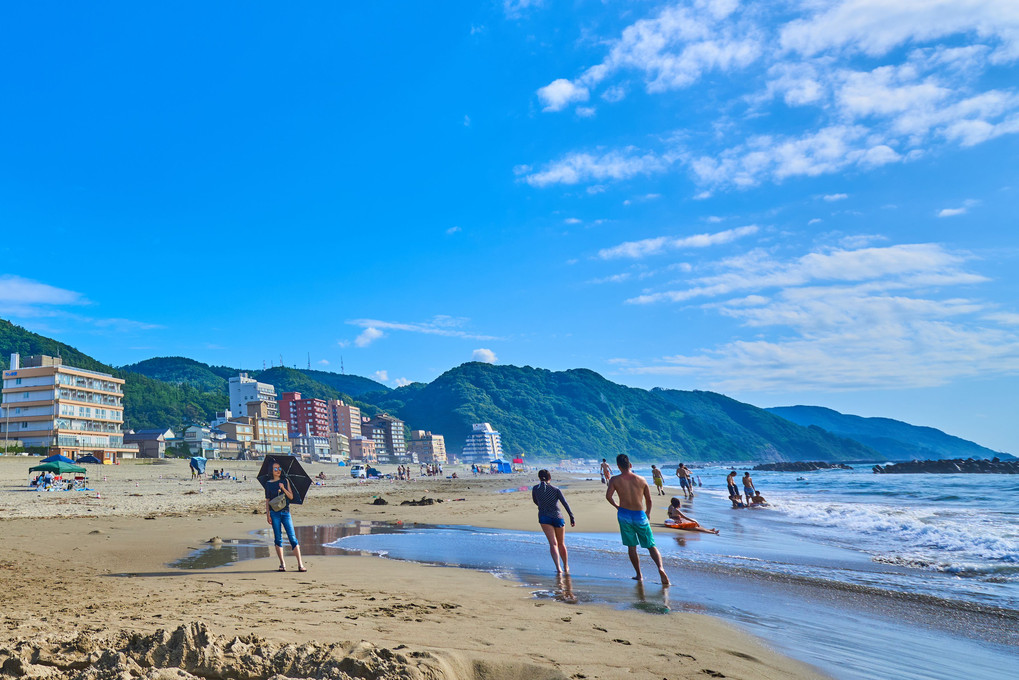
x=200 y=442
x=150 y=443
x=270 y=435
x=339 y=447
x=310 y=448
x=344 y=418
x=305 y=416
x=483 y=445
x=245 y=390
x=49 y=406
x=239 y=431
x=427 y=447
x=390 y=436
x=362 y=450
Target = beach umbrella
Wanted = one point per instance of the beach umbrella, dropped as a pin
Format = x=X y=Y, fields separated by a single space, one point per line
x=57 y=457
x=198 y=464
x=292 y=471
x=89 y=458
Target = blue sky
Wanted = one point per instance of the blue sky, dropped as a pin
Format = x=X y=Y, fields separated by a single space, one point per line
x=792 y=202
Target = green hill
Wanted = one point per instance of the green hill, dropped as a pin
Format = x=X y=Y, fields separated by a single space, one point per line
x=311 y=383
x=148 y=403
x=893 y=439
x=580 y=414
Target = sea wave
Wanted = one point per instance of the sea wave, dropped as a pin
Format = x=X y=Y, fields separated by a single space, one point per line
x=921 y=534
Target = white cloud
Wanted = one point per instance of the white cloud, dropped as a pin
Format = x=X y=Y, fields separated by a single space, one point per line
x=368 y=336
x=467 y=121
x=815 y=220
x=840 y=319
x=323 y=362
x=874 y=27
x=660 y=244
x=27 y=298
x=560 y=93
x=484 y=355
x=585 y=167
x=585 y=111
x=401 y=382
x=835 y=197
x=951 y=212
x=571 y=220
x=381 y=376
x=453 y=230
x=439 y=325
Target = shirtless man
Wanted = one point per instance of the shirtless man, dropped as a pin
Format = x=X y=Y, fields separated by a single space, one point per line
x=730 y=481
x=748 y=488
x=656 y=475
x=634 y=526
x=685 y=483
x=606 y=471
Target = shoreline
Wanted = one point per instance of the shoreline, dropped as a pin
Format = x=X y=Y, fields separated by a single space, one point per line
x=64 y=550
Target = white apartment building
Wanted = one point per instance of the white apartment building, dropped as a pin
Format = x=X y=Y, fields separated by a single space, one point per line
x=483 y=445
x=244 y=390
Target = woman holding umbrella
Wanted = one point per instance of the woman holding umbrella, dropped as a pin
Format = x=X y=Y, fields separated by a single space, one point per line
x=280 y=519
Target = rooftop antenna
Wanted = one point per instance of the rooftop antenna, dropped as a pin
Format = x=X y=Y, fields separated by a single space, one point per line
x=341 y=365
x=281 y=361
x=309 y=361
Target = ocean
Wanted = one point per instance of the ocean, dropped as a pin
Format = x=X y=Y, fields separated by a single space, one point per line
x=862 y=575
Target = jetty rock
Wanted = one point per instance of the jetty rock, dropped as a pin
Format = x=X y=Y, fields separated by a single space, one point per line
x=800 y=466
x=951 y=467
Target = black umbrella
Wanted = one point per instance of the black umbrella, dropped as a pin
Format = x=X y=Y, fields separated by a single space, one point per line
x=292 y=471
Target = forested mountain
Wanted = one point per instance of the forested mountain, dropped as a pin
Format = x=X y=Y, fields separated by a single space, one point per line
x=540 y=413
x=893 y=439
x=578 y=413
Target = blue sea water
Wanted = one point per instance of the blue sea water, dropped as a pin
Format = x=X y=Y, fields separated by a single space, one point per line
x=862 y=575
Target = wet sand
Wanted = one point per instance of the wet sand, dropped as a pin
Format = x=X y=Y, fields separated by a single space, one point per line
x=88 y=592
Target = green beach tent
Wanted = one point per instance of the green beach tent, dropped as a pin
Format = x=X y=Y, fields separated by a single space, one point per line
x=59 y=467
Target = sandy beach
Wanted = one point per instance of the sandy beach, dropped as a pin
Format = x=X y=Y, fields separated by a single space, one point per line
x=89 y=593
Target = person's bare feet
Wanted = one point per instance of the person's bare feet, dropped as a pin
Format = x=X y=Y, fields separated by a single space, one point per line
x=637 y=578
x=665 y=579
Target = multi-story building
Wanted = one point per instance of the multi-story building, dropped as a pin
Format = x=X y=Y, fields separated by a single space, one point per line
x=66 y=410
x=339 y=447
x=390 y=436
x=427 y=447
x=239 y=430
x=305 y=416
x=344 y=418
x=200 y=441
x=310 y=448
x=270 y=434
x=362 y=450
x=245 y=390
x=483 y=445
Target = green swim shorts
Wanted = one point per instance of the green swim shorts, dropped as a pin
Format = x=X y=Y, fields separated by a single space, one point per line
x=635 y=528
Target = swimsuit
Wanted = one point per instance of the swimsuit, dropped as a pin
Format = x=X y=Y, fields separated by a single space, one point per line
x=547 y=498
x=634 y=528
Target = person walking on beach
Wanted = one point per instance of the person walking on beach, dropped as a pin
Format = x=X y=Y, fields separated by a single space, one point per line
x=748 y=487
x=550 y=519
x=606 y=471
x=634 y=525
x=280 y=519
x=684 y=480
x=656 y=474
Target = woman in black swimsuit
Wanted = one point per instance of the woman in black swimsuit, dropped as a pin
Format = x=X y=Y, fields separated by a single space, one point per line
x=550 y=519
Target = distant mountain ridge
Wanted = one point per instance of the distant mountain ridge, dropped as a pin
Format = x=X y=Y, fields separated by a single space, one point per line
x=579 y=414
x=894 y=439
x=544 y=414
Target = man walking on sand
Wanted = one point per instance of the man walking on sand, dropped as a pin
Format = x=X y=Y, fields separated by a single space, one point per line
x=606 y=471
x=634 y=526
x=656 y=475
x=685 y=482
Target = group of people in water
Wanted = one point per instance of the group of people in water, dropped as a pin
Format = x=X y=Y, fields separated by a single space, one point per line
x=630 y=494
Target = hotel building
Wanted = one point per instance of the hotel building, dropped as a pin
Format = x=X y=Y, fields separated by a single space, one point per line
x=66 y=410
x=306 y=417
x=245 y=390
x=483 y=445
x=344 y=418
x=428 y=447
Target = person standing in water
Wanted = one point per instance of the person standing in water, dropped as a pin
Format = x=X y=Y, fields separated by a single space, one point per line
x=550 y=519
x=606 y=472
x=730 y=482
x=632 y=512
x=656 y=475
x=748 y=488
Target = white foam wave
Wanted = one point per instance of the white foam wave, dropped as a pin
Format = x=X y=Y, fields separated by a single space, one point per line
x=923 y=535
